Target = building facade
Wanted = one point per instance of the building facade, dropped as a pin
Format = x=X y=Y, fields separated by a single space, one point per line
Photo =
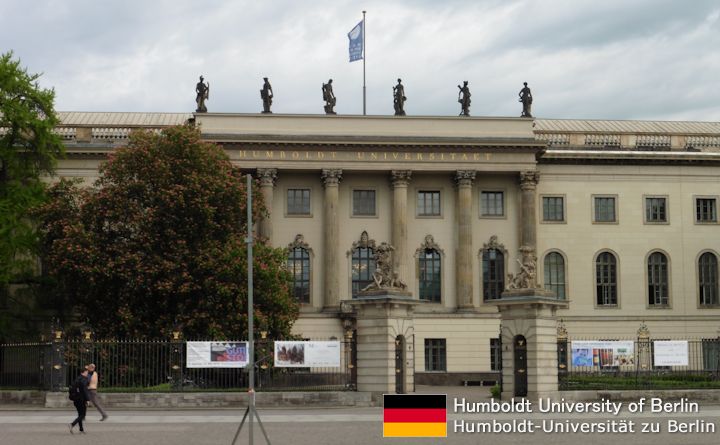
x=625 y=224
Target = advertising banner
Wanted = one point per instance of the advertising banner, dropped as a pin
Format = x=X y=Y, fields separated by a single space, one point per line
x=305 y=354
x=670 y=353
x=217 y=354
x=603 y=353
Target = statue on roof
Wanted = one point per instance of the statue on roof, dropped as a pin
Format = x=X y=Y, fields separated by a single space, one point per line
x=203 y=93
x=399 y=98
x=464 y=99
x=329 y=97
x=266 y=93
x=526 y=99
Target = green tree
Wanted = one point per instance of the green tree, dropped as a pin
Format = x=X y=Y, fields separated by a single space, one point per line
x=28 y=151
x=159 y=243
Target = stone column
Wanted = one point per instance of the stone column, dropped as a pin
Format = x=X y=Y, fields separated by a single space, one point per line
x=400 y=180
x=331 y=181
x=463 y=267
x=528 y=219
x=267 y=178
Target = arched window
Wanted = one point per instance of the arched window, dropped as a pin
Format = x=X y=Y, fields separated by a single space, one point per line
x=657 y=280
x=363 y=266
x=430 y=275
x=299 y=265
x=555 y=274
x=493 y=262
x=606 y=292
x=708 y=279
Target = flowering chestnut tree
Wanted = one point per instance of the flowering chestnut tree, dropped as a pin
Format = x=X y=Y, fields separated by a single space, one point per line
x=158 y=244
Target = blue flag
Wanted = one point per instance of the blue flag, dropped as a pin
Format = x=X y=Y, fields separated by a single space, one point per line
x=356 y=41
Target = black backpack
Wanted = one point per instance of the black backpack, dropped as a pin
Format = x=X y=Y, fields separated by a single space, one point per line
x=75 y=391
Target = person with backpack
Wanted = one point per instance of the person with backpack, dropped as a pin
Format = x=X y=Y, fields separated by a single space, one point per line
x=79 y=395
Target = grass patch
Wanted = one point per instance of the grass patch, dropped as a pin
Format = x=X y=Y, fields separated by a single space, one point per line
x=631 y=381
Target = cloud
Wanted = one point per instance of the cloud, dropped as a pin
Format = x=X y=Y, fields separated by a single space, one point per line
x=645 y=59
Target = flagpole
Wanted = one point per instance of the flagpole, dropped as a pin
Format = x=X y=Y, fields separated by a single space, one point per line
x=364 y=57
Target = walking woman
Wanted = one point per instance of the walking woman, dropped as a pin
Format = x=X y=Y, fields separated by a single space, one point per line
x=80 y=395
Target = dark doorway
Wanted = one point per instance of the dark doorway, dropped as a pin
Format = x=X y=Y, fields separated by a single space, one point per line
x=400 y=364
x=520 y=361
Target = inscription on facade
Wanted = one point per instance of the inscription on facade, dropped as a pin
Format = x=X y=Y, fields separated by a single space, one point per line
x=384 y=156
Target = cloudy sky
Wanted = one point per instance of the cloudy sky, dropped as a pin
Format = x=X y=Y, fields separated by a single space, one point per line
x=610 y=59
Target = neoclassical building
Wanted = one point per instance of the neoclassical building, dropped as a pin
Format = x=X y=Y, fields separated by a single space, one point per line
x=622 y=217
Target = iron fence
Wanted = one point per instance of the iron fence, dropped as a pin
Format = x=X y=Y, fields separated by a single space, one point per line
x=633 y=365
x=159 y=366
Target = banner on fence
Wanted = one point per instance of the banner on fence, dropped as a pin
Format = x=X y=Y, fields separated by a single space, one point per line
x=217 y=354
x=303 y=354
x=670 y=353
x=603 y=353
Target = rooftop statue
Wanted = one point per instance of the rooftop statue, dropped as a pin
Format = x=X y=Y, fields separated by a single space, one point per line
x=384 y=277
x=464 y=99
x=399 y=98
x=329 y=97
x=526 y=99
x=203 y=93
x=266 y=93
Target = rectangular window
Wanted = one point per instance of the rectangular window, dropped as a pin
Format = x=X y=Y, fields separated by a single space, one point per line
x=492 y=204
x=428 y=203
x=363 y=202
x=605 y=209
x=298 y=202
x=495 y=354
x=435 y=354
x=656 y=210
x=553 y=208
x=705 y=210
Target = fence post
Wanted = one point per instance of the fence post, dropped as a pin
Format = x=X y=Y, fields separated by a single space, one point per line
x=177 y=361
x=58 y=378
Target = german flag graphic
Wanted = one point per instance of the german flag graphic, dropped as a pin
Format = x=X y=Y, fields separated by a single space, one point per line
x=414 y=415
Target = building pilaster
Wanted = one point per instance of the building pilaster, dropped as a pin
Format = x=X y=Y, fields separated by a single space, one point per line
x=400 y=180
x=528 y=219
x=331 y=182
x=267 y=177
x=463 y=267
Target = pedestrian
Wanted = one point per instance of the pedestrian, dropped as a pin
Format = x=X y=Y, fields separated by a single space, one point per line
x=80 y=395
x=92 y=389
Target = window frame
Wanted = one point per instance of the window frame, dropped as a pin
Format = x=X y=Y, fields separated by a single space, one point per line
x=565 y=272
x=370 y=261
x=439 y=261
x=696 y=198
x=352 y=201
x=698 y=276
x=616 y=209
x=503 y=192
x=308 y=254
x=645 y=209
x=596 y=303
x=287 y=203
x=435 y=350
x=418 y=191
x=668 y=280
x=541 y=211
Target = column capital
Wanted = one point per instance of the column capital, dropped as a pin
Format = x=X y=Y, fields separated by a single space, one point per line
x=331 y=177
x=267 y=176
x=529 y=179
x=464 y=177
x=400 y=178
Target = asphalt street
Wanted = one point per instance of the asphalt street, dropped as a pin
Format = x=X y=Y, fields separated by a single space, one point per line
x=325 y=426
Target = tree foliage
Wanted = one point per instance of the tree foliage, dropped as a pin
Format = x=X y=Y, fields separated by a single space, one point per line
x=28 y=150
x=159 y=244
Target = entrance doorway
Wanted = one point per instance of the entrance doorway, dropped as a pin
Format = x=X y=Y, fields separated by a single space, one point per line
x=400 y=364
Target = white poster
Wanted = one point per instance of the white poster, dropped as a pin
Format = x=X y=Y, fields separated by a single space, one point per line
x=603 y=353
x=217 y=354
x=670 y=353
x=305 y=354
